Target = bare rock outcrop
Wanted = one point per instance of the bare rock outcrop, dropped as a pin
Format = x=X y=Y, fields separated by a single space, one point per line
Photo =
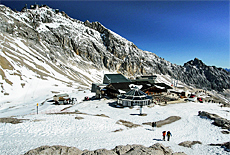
x=218 y=121
x=54 y=150
x=156 y=149
x=226 y=146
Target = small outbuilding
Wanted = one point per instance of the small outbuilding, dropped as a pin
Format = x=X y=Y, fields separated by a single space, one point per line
x=135 y=97
x=63 y=99
x=99 y=89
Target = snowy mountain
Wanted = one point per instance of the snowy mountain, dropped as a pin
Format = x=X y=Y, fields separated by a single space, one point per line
x=44 y=52
x=40 y=44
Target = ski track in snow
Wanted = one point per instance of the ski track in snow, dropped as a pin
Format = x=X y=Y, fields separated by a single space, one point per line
x=95 y=132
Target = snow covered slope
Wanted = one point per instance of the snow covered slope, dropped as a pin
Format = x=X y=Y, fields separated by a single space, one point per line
x=44 y=52
x=95 y=125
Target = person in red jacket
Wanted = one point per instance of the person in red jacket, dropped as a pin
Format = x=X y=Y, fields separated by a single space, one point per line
x=164 y=134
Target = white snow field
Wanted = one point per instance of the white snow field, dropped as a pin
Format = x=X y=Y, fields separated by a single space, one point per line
x=88 y=130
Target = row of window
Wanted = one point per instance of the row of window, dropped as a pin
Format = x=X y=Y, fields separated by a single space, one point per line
x=133 y=103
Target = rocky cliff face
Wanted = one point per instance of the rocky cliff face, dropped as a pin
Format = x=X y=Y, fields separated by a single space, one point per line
x=207 y=76
x=69 y=44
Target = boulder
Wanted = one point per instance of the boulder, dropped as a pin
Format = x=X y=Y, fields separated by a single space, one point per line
x=161 y=147
x=56 y=150
x=121 y=149
x=100 y=152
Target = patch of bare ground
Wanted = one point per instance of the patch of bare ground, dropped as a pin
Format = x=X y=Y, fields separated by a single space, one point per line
x=55 y=92
x=66 y=108
x=76 y=112
x=23 y=85
x=168 y=120
x=118 y=130
x=44 y=101
x=79 y=118
x=11 y=120
x=5 y=63
x=67 y=113
x=127 y=124
x=189 y=144
x=102 y=115
x=37 y=120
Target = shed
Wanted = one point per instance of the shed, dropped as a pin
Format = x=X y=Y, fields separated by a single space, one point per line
x=61 y=98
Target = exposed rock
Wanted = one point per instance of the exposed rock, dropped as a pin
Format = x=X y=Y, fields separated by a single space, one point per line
x=100 y=152
x=99 y=48
x=127 y=124
x=226 y=146
x=160 y=147
x=189 y=143
x=218 y=121
x=11 y=120
x=225 y=132
x=57 y=150
x=168 y=120
x=156 y=149
x=121 y=149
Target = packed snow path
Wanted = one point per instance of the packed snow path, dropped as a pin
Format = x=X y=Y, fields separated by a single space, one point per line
x=88 y=130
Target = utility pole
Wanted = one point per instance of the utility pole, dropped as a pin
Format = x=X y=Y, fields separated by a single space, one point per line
x=141 y=109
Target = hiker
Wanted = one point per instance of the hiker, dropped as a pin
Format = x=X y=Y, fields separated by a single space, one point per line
x=154 y=124
x=168 y=135
x=164 y=134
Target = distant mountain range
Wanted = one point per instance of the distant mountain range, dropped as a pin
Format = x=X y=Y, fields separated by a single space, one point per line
x=46 y=43
x=227 y=69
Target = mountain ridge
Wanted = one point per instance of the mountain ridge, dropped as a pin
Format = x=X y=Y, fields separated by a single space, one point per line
x=75 y=47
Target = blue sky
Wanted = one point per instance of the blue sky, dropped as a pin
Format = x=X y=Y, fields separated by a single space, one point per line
x=177 y=31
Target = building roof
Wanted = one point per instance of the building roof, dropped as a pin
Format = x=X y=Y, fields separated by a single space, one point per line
x=119 y=86
x=114 y=78
x=135 y=94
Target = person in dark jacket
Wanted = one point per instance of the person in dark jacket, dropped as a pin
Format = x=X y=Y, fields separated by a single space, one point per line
x=168 y=135
x=154 y=124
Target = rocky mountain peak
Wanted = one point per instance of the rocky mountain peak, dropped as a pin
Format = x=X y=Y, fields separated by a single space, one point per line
x=196 y=62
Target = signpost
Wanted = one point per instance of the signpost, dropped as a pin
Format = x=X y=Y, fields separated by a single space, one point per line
x=37 y=108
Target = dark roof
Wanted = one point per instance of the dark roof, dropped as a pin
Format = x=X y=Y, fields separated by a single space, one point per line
x=154 y=86
x=122 y=86
x=114 y=78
